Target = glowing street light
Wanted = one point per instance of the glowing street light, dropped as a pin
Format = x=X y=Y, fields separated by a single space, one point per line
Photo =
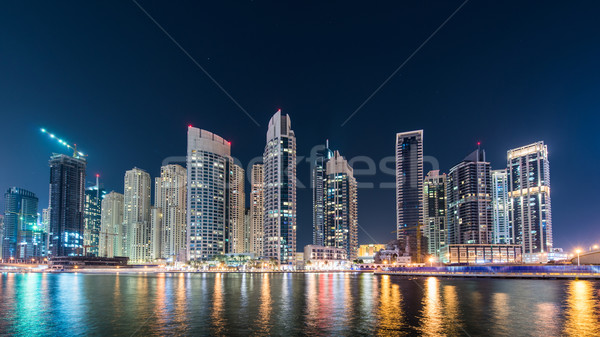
x=431 y=259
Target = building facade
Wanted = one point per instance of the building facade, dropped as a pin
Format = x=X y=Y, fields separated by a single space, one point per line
x=170 y=197
x=136 y=215
x=529 y=197
x=340 y=206
x=112 y=234
x=434 y=213
x=92 y=218
x=502 y=233
x=67 y=202
x=237 y=208
x=22 y=238
x=279 y=160
x=208 y=168
x=257 y=210
x=469 y=200
x=409 y=192
x=319 y=193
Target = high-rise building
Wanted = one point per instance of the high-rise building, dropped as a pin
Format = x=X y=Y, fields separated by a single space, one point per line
x=319 y=193
x=92 y=218
x=156 y=233
x=502 y=233
x=247 y=231
x=409 y=192
x=170 y=196
x=208 y=168
x=340 y=206
x=529 y=197
x=434 y=209
x=22 y=237
x=112 y=234
x=46 y=228
x=257 y=210
x=237 y=207
x=67 y=201
x=279 y=160
x=1 y=236
x=136 y=215
x=469 y=199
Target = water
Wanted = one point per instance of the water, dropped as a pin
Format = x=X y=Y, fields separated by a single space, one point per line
x=294 y=304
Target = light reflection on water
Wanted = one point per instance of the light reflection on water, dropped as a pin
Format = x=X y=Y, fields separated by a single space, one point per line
x=264 y=304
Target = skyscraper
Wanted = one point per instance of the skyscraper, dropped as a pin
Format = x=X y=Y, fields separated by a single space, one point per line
x=257 y=210
x=67 y=201
x=136 y=215
x=469 y=198
x=409 y=192
x=208 y=169
x=170 y=196
x=340 y=206
x=529 y=197
x=237 y=207
x=112 y=235
x=279 y=160
x=156 y=233
x=318 y=191
x=502 y=233
x=22 y=239
x=92 y=218
x=434 y=209
x=2 y=236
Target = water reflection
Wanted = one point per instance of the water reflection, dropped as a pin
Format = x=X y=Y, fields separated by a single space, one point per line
x=218 y=320
x=452 y=311
x=264 y=311
x=582 y=317
x=432 y=323
x=500 y=312
x=390 y=308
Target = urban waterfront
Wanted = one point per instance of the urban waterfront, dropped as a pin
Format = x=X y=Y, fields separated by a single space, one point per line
x=293 y=304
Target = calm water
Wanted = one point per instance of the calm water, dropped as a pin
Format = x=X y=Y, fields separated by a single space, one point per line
x=293 y=304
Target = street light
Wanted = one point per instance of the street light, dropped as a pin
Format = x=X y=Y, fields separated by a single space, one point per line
x=431 y=261
x=578 y=251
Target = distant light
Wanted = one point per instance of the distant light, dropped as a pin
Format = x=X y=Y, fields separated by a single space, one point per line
x=97 y=175
x=478 y=143
x=51 y=136
x=43 y=130
x=189 y=126
x=81 y=154
x=279 y=110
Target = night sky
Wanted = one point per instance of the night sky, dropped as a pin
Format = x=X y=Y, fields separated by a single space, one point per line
x=101 y=74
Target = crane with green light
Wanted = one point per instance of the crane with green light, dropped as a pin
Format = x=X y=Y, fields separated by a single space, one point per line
x=73 y=147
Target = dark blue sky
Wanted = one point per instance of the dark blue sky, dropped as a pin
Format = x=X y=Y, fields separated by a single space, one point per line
x=101 y=74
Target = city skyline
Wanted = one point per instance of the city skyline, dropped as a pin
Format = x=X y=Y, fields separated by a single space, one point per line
x=442 y=93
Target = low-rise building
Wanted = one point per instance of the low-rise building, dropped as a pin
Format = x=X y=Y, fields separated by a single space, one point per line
x=366 y=253
x=325 y=258
x=484 y=253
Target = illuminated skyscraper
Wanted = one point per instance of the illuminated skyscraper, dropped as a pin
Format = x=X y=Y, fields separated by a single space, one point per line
x=136 y=215
x=340 y=206
x=237 y=207
x=208 y=168
x=112 y=234
x=529 y=197
x=502 y=233
x=92 y=218
x=67 y=201
x=257 y=210
x=170 y=196
x=409 y=191
x=279 y=160
x=319 y=193
x=469 y=199
x=22 y=238
x=434 y=208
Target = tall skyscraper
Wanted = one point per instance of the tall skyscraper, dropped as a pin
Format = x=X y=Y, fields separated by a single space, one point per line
x=247 y=231
x=434 y=208
x=156 y=233
x=529 y=197
x=208 y=168
x=2 y=236
x=340 y=206
x=319 y=193
x=257 y=210
x=502 y=233
x=136 y=215
x=237 y=208
x=170 y=196
x=279 y=160
x=46 y=228
x=469 y=198
x=22 y=237
x=409 y=192
x=112 y=234
x=67 y=201
x=92 y=218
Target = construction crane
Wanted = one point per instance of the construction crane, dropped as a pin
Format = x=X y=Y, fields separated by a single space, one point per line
x=76 y=154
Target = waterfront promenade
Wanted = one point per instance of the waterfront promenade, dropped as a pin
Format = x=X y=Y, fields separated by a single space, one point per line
x=525 y=271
